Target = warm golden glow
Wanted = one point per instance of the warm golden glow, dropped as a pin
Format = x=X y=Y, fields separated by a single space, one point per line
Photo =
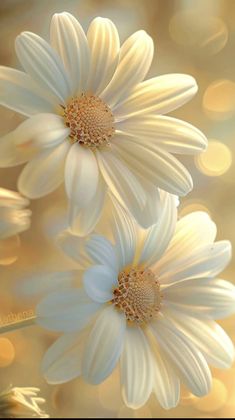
x=215 y=400
x=219 y=99
x=216 y=160
x=7 y=352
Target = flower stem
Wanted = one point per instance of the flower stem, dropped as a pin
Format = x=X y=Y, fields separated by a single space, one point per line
x=13 y=326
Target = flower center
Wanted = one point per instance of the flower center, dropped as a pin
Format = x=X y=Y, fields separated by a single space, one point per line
x=138 y=295
x=90 y=120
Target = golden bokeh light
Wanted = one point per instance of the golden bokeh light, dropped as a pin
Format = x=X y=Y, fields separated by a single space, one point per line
x=215 y=400
x=207 y=34
x=7 y=352
x=219 y=99
x=216 y=160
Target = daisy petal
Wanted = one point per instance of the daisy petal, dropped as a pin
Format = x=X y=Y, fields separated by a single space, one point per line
x=121 y=182
x=158 y=95
x=62 y=362
x=83 y=221
x=101 y=251
x=10 y=155
x=104 y=346
x=124 y=234
x=136 y=369
x=104 y=44
x=186 y=358
x=206 y=261
x=66 y=311
x=99 y=281
x=159 y=235
x=154 y=164
x=69 y=40
x=136 y=56
x=74 y=246
x=47 y=282
x=41 y=130
x=44 y=173
x=42 y=63
x=19 y=93
x=150 y=213
x=81 y=175
x=209 y=337
x=203 y=297
x=171 y=134
x=13 y=221
x=166 y=384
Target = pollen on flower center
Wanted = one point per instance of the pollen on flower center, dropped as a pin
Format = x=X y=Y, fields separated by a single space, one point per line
x=90 y=120
x=138 y=295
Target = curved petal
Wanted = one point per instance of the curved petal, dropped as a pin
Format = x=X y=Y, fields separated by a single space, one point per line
x=150 y=213
x=12 y=199
x=44 y=173
x=159 y=235
x=13 y=221
x=104 y=346
x=66 y=311
x=74 y=247
x=43 y=283
x=124 y=233
x=19 y=93
x=192 y=232
x=69 y=40
x=99 y=282
x=42 y=63
x=154 y=164
x=101 y=251
x=206 y=261
x=41 y=131
x=62 y=361
x=83 y=221
x=10 y=155
x=166 y=384
x=103 y=40
x=136 y=368
x=202 y=297
x=136 y=56
x=208 y=337
x=81 y=175
x=171 y=134
x=121 y=182
x=186 y=358
x=158 y=95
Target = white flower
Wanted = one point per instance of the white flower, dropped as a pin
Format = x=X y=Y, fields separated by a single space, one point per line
x=21 y=403
x=93 y=122
x=14 y=219
x=146 y=302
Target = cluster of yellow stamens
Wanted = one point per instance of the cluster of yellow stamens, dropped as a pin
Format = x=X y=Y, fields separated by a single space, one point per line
x=90 y=120
x=138 y=295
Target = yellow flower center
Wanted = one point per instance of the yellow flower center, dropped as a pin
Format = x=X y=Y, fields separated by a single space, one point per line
x=138 y=295
x=90 y=120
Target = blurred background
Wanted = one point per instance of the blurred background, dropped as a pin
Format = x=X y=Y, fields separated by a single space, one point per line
x=191 y=36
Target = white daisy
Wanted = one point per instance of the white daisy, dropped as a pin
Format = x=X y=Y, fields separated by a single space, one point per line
x=14 y=219
x=145 y=302
x=21 y=403
x=93 y=122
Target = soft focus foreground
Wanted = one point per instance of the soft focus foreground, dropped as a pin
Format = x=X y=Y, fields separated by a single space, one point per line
x=190 y=37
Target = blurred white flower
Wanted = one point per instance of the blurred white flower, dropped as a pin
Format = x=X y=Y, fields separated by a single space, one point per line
x=14 y=219
x=94 y=123
x=146 y=300
x=21 y=403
